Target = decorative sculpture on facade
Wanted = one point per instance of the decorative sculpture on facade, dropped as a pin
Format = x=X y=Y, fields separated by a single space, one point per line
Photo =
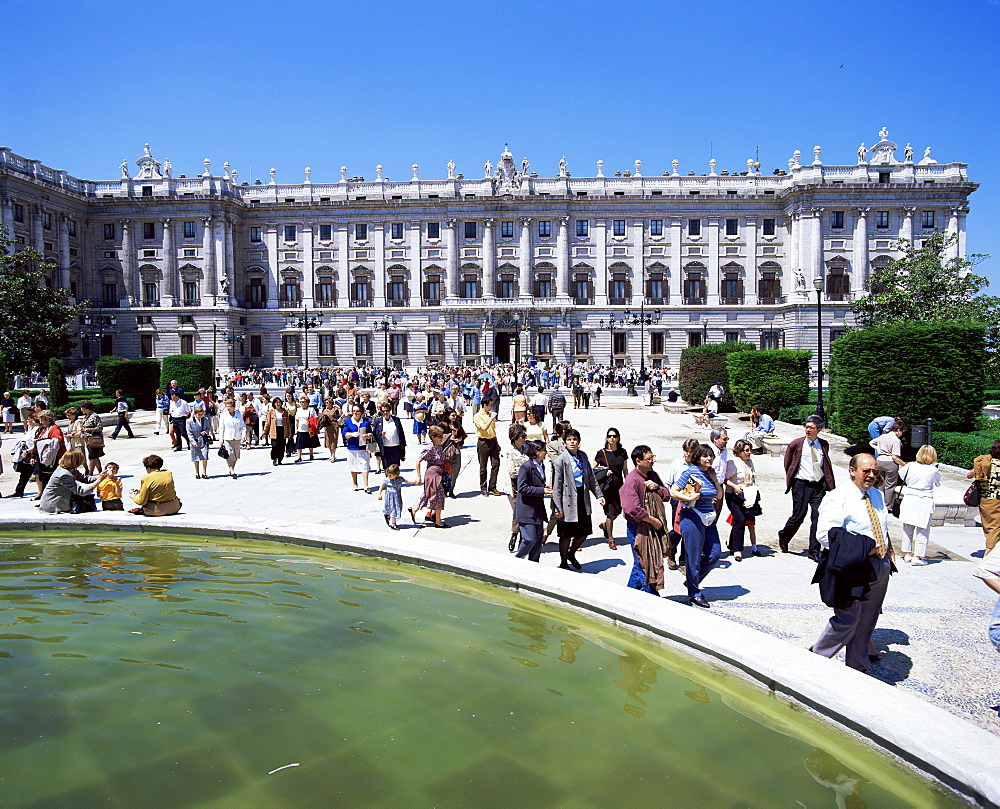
x=451 y=169
x=862 y=154
x=507 y=179
x=488 y=168
x=563 y=167
x=908 y=154
x=149 y=168
x=124 y=168
x=884 y=152
x=927 y=160
x=168 y=168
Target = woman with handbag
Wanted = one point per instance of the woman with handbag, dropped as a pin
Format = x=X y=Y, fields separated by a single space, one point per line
x=916 y=503
x=572 y=482
x=536 y=428
x=986 y=472
x=611 y=471
x=93 y=433
x=357 y=431
x=513 y=458
x=742 y=497
x=454 y=441
x=232 y=430
x=68 y=488
x=49 y=448
x=275 y=424
x=433 y=479
x=331 y=419
x=199 y=431
x=306 y=429
x=696 y=489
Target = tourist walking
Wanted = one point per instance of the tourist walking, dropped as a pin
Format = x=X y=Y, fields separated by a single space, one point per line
x=644 y=501
x=529 y=506
x=697 y=491
x=390 y=438
x=673 y=472
x=743 y=498
x=920 y=478
x=432 y=458
x=513 y=458
x=519 y=406
x=179 y=412
x=232 y=430
x=275 y=424
x=357 y=432
x=614 y=458
x=306 y=428
x=331 y=419
x=808 y=476
x=454 y=442
x=162 y=405
x=199 y=431
x=122 y=411
x=572 y=482
x=487 y=447
x=391 y=492
x=888 y=451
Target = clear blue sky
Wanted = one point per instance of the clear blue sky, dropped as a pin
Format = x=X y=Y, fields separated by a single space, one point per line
x=321 y=84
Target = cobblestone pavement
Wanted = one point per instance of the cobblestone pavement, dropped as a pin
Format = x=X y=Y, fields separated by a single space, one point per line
x=932 y=635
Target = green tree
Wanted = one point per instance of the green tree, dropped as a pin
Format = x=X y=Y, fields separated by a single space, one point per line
x=34 y=316
x=922 y=286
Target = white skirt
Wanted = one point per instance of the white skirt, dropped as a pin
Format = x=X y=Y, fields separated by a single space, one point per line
x=357 y=460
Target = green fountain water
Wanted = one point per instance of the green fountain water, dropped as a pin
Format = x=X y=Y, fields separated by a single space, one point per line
x=169 y=672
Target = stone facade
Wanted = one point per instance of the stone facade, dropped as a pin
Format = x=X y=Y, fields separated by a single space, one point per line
x=508 y=265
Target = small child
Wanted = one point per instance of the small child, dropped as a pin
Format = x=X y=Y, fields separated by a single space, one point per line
x=110 y=489
x=392 y=486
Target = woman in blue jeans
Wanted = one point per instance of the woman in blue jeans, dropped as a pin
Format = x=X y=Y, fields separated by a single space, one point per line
x=697 y=517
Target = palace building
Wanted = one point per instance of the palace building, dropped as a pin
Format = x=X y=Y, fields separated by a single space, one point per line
x=507 y=264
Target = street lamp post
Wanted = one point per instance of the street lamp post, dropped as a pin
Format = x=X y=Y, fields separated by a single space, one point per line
x=642 y=318
x=385 y=326
x=307 y=320
x=609 y=326
x=97 y=328
x=818 y=284
x=233 y=340
x=704 y=331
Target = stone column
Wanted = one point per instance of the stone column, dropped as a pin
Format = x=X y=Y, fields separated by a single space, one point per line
x=793 y=250
x=906 y=231
x=230 y=259
x=451 y=260
x=7 y=216
x=562 y=260
x=676 y=267
x=713 y=283
x=128 y=263
x=308 y=268
x=525 y=258
x=489 y=262
x=638 y=263
x=860 y=250
x=816 y=259
x=63 y=252
x=169 y=291
x=415 y=264
x=271 y=237
x=601 y=280
x=342 y=288
x=37 y=236
x=751 y=276
x=377 y=230
x=219 y=240
x=208 y=281
x=960 y=248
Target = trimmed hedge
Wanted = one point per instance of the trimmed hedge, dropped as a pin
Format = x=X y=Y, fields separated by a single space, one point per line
x=703 y=366
x=192 y=371
x=58 y=394
x=915 y=371
x=797 y=414
x=102 y=405
x=959 y=449
x=772 y=379
x=139 y=379
x=4 y=378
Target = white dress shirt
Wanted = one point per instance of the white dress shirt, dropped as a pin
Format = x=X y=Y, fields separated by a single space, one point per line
x=845 y=507
x=806 y=461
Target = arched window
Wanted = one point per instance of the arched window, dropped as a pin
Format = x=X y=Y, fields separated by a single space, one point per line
x=694 y=284
x=432 y=285
x=838 y=280
x=769 y=284
x=731 y=291
x=657 y=289
x=620 y=284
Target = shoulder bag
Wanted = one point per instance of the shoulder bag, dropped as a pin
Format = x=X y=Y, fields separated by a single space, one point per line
x=603 y=473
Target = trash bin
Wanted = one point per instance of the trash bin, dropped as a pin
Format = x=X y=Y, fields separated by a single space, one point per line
x=920 y=434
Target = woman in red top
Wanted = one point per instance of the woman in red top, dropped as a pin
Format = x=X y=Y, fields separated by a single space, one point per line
x=49 y=448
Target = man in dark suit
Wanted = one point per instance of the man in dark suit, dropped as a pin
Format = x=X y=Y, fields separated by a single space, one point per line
x=390 y=437
x=808 y=476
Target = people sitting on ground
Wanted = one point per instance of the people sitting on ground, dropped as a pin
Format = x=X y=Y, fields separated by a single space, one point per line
x=68 y=489
x=156 y=496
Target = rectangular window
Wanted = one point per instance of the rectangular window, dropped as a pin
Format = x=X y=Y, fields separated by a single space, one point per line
x=190 y=293
x=397 y=345
x=149 y=293
x=187 y=344
x=470 y=230
x=655 y=227
x=148 y=230
x=694 y=339
x=362 y=347
x=46 y=220
x=882 y=219
x=290 y=292
x=255 y=236
x=325 y=292
x=256 y=345
x=618 y=227
x=290 y=345
x=397 y=230
x=361 y=290
x=732 y=336
x=110 y=294
x=109 y=230
x=836 y=220
x=656 y=289
x=470 y=343
x=361 y=232
x=397 y=291
x=582 y=290
x=434 y=345
x=769 y=227
x=544 y=229
x=545 y=342
x=289 y=233
x=694 y=227
x=146 y=345
x=507 y=287
x=770 y=339
x=433 y=290
x=71 y=227
x=884 y=177
x=433 y=230
x=18 y=212
x=732 y=227
x=470 y=288
x=326 y=345
x=619 y=289
x=581 y=343
x=147 y=190
x=325 y=233
x=543 y=288
x=507 y=230
x=927 y=219
x=189 y=231
x=619 y=343
x=582 y=227
x=656 y=342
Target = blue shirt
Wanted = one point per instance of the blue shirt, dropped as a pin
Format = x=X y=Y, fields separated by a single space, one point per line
x=708 y=490
x=351 y=426
x=766 y=423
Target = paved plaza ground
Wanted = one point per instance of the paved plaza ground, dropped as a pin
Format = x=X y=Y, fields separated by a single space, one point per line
x=932 y=635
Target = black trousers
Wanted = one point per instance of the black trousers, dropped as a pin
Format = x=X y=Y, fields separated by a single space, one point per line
x=180 y=432
x=806 y=495
x=122 y=424
x=488 y=450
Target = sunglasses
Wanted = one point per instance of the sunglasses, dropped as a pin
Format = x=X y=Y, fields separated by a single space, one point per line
x=612 y=435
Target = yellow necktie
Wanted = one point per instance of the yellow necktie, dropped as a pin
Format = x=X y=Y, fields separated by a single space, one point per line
x=877 y=534
x=817 y=472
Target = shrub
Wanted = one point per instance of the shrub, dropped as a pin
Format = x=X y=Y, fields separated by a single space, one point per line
x=702 y=367
x=772 y=379
x=58 y=394
x=959 y=449
x=915 y=371
x=139 y=379
x=797 y=414
x=4 y=378
x=102 y=404
x=192 y=371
